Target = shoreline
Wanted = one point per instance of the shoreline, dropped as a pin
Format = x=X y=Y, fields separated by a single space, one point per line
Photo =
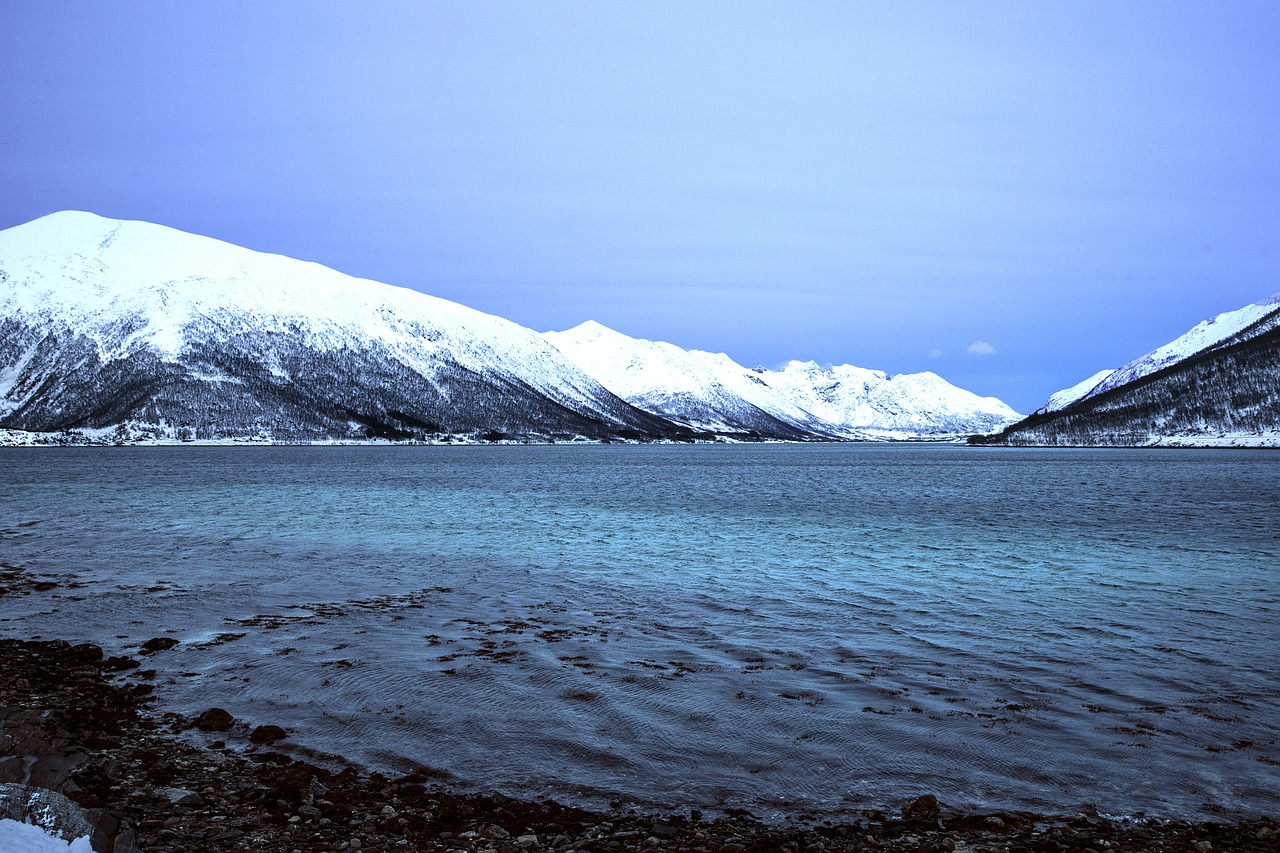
x=69 y=723
x=10 y=438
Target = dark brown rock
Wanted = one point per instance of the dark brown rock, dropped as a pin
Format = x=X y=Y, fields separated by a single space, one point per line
x=922 y=810
x=215 y=720
x=85 y=653
x=158 y=644
x=267 y=734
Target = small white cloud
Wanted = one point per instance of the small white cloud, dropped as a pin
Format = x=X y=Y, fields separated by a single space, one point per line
x=981 y=348
x=935 y=353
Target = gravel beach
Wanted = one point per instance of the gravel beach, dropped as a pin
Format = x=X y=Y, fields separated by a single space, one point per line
x=81 y=724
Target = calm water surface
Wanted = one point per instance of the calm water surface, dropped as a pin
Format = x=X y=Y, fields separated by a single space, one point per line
x=788 y=629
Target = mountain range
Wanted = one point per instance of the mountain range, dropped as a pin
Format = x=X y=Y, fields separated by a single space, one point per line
x=1216 y=385
x=129 y=331
x=710 y=392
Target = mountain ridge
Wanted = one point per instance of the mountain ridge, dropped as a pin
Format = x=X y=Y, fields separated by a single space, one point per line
x=1216 y=385
x=108 y=323
x=709 y=391
x=130 y=330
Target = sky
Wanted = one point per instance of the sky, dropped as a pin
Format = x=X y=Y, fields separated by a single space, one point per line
x=1013 y=195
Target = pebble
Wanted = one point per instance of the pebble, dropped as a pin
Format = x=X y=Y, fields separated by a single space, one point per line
x=182 y=797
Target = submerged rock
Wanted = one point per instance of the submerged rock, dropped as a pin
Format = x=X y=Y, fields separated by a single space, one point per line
x=158 y=644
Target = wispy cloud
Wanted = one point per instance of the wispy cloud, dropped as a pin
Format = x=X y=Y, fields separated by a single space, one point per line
x=981 y=348
x=936 y=353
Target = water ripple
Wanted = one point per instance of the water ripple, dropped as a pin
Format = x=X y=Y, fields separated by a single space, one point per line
x=789 y=629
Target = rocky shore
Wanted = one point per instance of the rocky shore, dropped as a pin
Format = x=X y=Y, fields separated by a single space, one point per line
x=80 y=725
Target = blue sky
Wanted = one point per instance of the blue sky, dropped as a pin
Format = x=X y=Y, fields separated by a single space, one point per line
x=1013 y=195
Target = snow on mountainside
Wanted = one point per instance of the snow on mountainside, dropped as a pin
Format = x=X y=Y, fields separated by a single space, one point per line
x=706 y=391
x=1067 y=396
x=873 y=402
x=1205 y=334
x=1217 y=385
x=712 y=392
x=112 y=323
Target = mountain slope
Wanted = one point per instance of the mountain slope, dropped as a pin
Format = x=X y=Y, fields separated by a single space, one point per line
x=1067 y=396
x=1203 y=336
x=709 y=391
x=128 y=325
x=705 y=391
x=905 y=405
x=1218 y=384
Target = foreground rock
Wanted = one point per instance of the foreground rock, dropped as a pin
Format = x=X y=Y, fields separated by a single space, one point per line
x=68 y=725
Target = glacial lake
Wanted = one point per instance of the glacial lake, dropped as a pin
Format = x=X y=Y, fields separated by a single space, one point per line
x=790 y=629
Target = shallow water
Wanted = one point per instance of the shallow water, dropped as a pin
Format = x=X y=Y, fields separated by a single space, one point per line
x=785 y=628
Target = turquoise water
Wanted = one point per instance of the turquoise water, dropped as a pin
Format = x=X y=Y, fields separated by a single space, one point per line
x=785 y=628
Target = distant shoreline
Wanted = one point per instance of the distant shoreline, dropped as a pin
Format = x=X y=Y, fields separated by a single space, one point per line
x=20 y=438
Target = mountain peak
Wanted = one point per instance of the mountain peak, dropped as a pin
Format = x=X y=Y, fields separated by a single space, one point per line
x=589 y=330
x=166 y=327
x=710 y=391
x=1217 y=384
x=54 y=232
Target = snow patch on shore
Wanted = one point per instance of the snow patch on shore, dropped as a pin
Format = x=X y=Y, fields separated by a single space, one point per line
x=16 y=837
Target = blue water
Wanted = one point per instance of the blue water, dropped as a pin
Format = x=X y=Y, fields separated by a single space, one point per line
x=787 y=628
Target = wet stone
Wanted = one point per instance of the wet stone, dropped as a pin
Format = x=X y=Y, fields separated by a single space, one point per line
x=267 y=734
x=922 y=809
x=157 y=644
x=215 y=720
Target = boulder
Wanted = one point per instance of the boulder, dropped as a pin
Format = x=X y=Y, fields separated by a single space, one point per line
x=215 y=720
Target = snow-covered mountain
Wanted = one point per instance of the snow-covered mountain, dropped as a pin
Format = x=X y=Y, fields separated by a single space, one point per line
x=1204 y=335
x=1217 y=384
x=146 y=330
x=709 y=391
x=705 y=391
x=872 y=402
x=1067 y=396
